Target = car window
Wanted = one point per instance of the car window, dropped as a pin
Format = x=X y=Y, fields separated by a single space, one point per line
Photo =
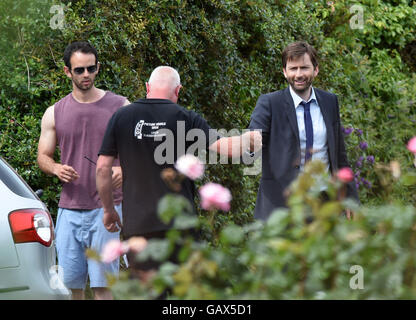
x=14 y=182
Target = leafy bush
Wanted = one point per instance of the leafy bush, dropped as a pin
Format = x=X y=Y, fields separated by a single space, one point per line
x=292 y=256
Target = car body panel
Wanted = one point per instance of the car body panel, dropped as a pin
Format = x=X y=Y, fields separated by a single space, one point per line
x=11 y=202
x=18 y=283
x=27 y=270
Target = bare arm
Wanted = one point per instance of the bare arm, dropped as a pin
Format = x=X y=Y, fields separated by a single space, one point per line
x=117 y=176
x=111 y=219
x=46 y=149
x=237 y=145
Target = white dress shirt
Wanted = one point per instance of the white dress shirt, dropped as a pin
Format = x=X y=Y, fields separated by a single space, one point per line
x=320 y=146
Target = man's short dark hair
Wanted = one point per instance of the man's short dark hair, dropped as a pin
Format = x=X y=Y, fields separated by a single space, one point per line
x=81 y=46
x=296 y=50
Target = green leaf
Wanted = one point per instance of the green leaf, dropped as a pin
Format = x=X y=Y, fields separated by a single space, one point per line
x=156 y=249
x=184 y=222
x=232 y=235
x=278 y=221
x=408 y=179
x=171 y=206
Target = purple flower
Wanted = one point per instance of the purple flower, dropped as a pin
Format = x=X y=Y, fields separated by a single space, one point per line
x=359 y=164
x=347 y=131
x=366 y=183
x=359 y=132
x=370 y=159
x=363 y=145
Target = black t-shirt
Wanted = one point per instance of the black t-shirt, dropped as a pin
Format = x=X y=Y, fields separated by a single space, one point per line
x=148 y=136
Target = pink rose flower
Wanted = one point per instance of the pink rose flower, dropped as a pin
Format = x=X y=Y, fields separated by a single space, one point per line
x=113 y=249
x=137 y=244
x=190 y=166
x=345 y=175
x=215 y=196
x=412 y=145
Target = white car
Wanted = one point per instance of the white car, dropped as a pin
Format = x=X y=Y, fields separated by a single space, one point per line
x=28 y=267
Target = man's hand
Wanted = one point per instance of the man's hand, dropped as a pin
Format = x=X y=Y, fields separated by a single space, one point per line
x=65 y=173
x=251 y=141
x=111 y=220
x=104 y=182
x=236 y=146
x=255 y=141
x=349 y=214
x=117 y=177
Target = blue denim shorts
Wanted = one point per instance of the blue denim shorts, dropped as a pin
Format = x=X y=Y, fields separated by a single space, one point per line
x=77 y=230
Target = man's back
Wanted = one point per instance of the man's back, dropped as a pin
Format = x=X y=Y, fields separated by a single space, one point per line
x=147 y=136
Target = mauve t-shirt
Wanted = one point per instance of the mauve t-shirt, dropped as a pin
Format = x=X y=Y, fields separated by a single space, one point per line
x=80 y=129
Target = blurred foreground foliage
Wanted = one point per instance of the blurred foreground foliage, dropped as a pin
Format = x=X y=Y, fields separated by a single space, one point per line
x=308 y=251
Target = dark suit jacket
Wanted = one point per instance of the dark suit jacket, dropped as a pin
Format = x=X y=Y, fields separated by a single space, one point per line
x=275 y=115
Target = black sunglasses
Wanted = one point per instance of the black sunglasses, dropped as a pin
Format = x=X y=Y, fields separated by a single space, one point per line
x=81 y=70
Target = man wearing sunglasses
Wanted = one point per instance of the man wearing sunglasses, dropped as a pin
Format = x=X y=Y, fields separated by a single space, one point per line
x=77 y=125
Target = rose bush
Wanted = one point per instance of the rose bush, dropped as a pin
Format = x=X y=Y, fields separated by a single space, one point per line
x=291 y=256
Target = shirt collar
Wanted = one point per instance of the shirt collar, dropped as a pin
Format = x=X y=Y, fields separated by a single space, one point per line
x=297 y=100
x=154 y=101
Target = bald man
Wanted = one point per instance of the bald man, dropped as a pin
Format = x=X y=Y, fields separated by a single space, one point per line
x=134 y=134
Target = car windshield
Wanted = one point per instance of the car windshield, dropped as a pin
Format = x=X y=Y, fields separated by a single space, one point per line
x=14 y=182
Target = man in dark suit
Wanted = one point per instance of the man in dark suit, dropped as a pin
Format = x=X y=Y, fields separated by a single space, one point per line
x=299 y=123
